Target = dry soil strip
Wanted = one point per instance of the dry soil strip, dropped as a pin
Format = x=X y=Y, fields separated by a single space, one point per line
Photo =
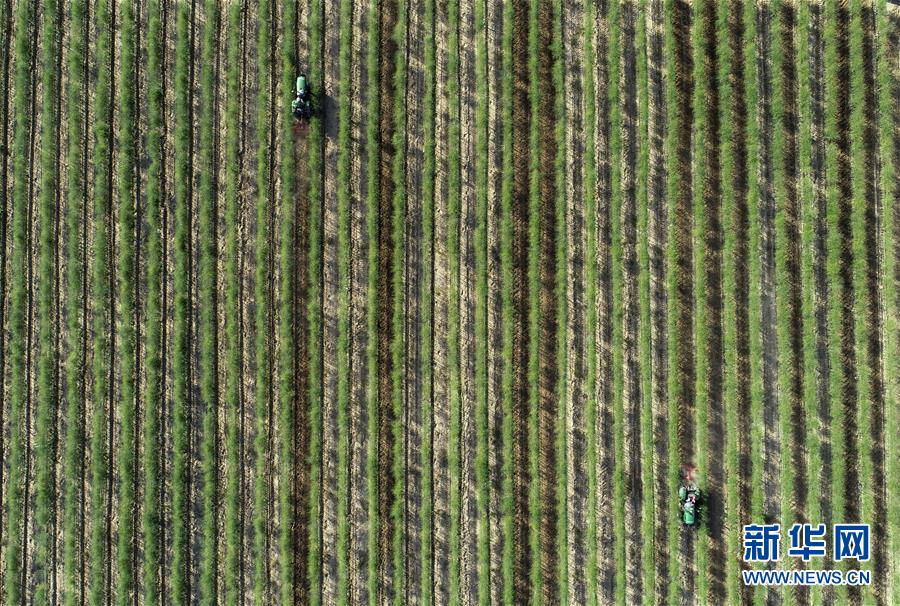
x=547 y=334
x=819 y=262
x=683 y=254
x=386 y=64
x=631 y=373
x=330 y=296
x=521 y=116
x=360 y=373
x=848 y=392
x=469 y=521
x=495 y=321
x=712 y=301
x=415 y=388
x=576 y=375
x=657 y=228
x=740 y=224
x=441 y=431
x=604 y=397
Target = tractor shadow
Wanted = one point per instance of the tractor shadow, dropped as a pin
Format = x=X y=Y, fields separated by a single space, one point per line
x=325 y=106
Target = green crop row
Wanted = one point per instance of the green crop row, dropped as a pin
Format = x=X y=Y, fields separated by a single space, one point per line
x=154 y=480
x=126 y=552
x=48 y=349
x=102 y=291
x=232 y=390
x=73 y=521
x=263 y=299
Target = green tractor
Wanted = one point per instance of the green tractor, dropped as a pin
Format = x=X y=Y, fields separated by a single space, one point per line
x=689 y=497
x=301 y=106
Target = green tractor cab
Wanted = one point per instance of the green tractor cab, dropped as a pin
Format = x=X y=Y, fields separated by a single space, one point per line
x=301 y=106
x=689 y=496
x=689 y=499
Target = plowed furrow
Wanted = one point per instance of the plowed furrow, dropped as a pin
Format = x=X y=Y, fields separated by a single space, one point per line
x=521 y=119
x=441 y=430
x=495 y=318
x=737 y=114
x=683 y=347
x=330 y=77
x=576 y=337
x=415 y=422
x=386 y=64
x=712 y=200
x=657 y=227
x=546 y=334
x=821 y=329
x=468 y=218
x=604 y=397
x=361 y=375
x=631 y=389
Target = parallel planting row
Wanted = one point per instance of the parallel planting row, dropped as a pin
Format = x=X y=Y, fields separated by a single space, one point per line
x=454 y=340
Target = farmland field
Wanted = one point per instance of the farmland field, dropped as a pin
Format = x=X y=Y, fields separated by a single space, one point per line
x=453 y=339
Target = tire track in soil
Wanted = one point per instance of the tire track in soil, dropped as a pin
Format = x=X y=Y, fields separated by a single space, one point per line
x=771 y=446
x=576 y=236
x=684 y=368
x=657 y=228
x=495 y=319
x=792 y=268
x=848 y=392
x=468 y=219
x=740 y=223
x=360 y=373
x=330 y=295
x=386 y=65
x=547 y=330
x=441 y=431
x=713 y=348
x=521 y=125
x=631 y=370
x=415 y=269
x=819 y=262
x=604 y=304
x=874 y=319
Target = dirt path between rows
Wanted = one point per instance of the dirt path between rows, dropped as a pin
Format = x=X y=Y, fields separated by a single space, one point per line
x=521 y=126
x=441 y=431
x=360 y=373
x=821 y=307
x=330 y=296
x=386 y=64
x=469 y=518
x=657 y=233
x=604 y=421
x=547 y=337
x=683 y=300
x=794 y=362
x=713 y=348
x=631 y=364
x=740 y=224
x=576 y=337
x=849 y=390
x=495 y=319
x=415 y=422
